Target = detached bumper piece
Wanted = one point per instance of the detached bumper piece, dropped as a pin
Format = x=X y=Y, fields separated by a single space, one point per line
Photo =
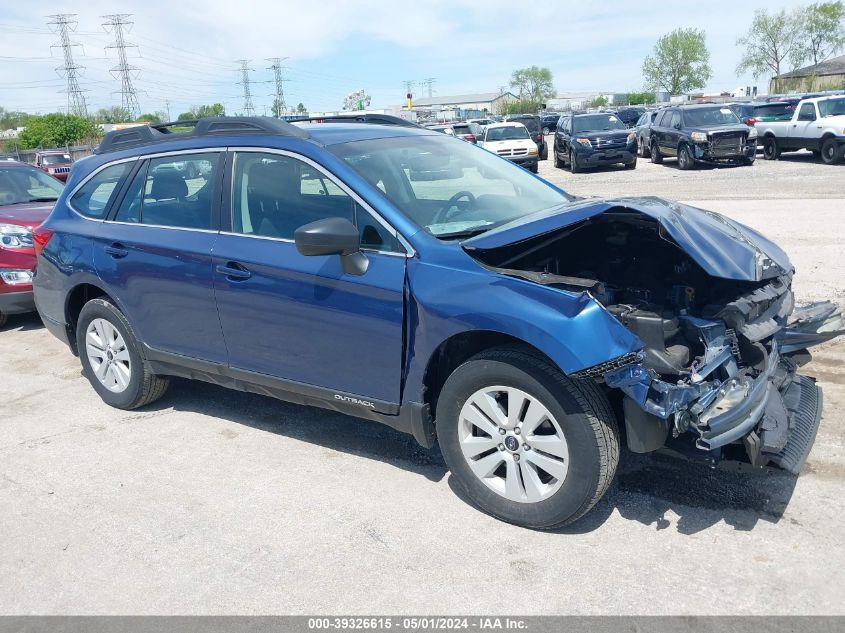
x=803 y=401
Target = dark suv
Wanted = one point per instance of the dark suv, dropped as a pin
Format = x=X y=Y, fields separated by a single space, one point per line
x=398 y=275
x=535 y=128
x=702 y=134
x=591 y=140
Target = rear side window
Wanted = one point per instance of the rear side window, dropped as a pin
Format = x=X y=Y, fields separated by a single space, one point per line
x=174 y=191
x=94 y=198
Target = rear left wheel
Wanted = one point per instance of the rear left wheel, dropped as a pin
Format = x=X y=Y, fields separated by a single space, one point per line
x=525 y=443
x=111 y=359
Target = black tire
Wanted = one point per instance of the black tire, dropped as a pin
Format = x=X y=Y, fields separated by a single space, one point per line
x=831 y=151
x=558 y=162
x=534 y=169
x=584 y=415
x=3 y=318
x=574 y=167
x=747 y=161
x=656 y=156
x=642 y=147
x=771 y=151
x=685 y=159
x=544 y=154
x=144 y=386
x=632 y=164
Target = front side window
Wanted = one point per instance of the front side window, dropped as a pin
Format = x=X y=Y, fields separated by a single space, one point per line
x=174 y=191
x=25 y=184
x=676 y=120
x=273 y=195
x=449 y=189
x=95 y=196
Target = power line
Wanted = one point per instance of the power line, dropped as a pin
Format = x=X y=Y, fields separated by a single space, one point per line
x=279 y=102
x=429 y=84
x=129 y=97
x=249 y=109
x=64 y=23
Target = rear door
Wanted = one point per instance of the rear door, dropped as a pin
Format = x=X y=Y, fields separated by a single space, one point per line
x=300 y=318
x=672 y=134
x=154 y=253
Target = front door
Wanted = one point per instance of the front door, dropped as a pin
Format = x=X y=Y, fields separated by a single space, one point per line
x=302 y=318
x=154 y=254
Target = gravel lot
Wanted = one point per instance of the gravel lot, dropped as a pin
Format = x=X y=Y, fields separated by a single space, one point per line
x=211 y=501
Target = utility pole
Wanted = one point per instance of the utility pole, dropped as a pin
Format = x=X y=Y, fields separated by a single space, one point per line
x=279 y=103
x=167 y=107
x=64 y=23
x=116 y=22
x=249 y=109
x=429 y=83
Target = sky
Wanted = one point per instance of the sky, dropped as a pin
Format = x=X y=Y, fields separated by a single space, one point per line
x=187 y=49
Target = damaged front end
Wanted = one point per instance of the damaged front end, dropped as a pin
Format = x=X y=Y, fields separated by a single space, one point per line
x=711 y=302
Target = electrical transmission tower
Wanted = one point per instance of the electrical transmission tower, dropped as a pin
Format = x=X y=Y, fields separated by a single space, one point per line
x=279 y=103
x=249 y=109
x=64 y=23
x=116 y=23
x=429 y=84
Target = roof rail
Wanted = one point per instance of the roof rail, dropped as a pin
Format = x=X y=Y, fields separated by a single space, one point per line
x=159 y=132
x=364 y=117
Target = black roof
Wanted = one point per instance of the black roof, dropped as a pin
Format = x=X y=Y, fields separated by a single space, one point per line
x=224 y=125
x=364 y=117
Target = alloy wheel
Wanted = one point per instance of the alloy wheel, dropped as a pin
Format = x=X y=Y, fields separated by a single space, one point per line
x=513 y=444
x=108 y=356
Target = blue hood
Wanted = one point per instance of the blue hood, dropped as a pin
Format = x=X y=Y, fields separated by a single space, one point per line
x=722 y=247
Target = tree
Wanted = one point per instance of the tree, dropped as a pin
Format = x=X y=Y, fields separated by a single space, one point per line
x=680 y=63
x=115 y=114
x=822 y=30
x=300 y=108
x=150 y=117
x=10 y=120
x=771 y=40
x=279 y=107
x=533 y=84
x=56 y=130
x=641 y=98
x=599 y=102
x=216 y=109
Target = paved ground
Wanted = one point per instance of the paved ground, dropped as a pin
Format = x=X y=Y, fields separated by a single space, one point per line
x=211 y=501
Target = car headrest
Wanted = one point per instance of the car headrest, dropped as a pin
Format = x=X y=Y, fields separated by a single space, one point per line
x=168 y=184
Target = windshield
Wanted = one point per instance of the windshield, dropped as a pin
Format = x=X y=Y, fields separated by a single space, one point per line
x=510 y=133
x=449 y=188
x=710 y=117
x=832 y=107
x=18 y=185
x=597 y=123
x=55 y=159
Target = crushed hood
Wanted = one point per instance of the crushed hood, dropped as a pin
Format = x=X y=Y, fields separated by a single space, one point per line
x=722 y=247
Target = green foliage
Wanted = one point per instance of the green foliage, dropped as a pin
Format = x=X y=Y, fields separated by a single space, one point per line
x=56 y=130
x=641 y=98
x=300 y=108
x=680 y=62
x=822 y=30
x=521 y=106
x=278 y=107
x=599 y=102
x=10 y=120
x=186 y=116
x=771 y=40
x=215 y=109
x=115 y=114
x=150 y=117
x=533 y=84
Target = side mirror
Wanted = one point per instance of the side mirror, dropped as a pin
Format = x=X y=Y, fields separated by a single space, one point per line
x=333 y=236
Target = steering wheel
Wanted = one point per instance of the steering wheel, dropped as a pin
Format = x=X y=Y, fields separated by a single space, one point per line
x=443 y=213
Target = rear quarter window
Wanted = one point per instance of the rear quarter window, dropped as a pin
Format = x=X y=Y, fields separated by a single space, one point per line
x=94 y=198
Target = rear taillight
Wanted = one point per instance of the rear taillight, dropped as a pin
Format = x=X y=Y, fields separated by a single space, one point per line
x=750 y=121
x=469 y=137
x=40 y=236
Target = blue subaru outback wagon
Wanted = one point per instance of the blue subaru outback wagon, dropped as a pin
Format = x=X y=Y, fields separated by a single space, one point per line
x=402 y=276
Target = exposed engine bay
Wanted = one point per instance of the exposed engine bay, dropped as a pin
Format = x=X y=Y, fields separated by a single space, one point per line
x=718 y=367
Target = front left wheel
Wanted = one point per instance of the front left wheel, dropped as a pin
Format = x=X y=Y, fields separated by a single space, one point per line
x=525 y=443
x=111 y=359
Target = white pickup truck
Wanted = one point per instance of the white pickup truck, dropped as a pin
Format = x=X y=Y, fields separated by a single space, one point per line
x=818 y=124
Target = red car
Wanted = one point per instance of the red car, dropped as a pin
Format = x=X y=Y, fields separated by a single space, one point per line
x=56 y=163
x=27 y=195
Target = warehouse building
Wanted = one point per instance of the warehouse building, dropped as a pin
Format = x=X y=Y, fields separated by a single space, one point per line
x=828 y=75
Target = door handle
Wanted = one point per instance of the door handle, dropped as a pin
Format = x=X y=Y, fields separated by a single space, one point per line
x=116 y=250
x=234 y=271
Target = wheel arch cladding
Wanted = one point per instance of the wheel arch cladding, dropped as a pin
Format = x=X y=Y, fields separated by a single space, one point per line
x=76 y=299
x=571 y=329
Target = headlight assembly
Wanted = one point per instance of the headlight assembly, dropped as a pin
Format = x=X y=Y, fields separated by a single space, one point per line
x=14 y=236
